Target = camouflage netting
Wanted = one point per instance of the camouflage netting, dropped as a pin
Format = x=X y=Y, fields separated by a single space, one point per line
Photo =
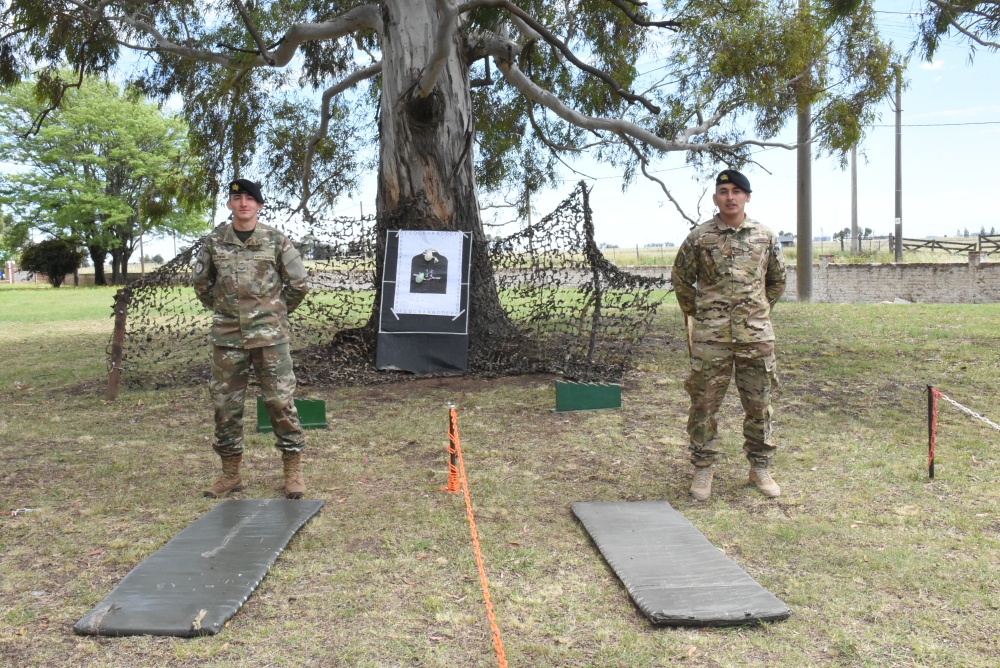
x=574 y=313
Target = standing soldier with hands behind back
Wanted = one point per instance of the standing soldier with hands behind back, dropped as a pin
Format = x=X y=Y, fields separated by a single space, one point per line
x=727 y=275
x=251 y=277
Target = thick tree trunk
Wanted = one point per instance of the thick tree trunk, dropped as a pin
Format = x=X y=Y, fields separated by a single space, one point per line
x=116 y=265
x=426 y=168
x=97 y=256
x=126 y=254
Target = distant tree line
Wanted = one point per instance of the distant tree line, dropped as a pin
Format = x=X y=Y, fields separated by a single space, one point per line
x=101 y=171
x=982 y=230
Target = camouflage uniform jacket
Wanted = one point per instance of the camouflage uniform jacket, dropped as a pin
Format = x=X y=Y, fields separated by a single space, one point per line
x=728 y=279
x=251 y=288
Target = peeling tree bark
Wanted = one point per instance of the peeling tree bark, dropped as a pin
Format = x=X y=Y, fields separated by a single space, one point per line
x=426 y=160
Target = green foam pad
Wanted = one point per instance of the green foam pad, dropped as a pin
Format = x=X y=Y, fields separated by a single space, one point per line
x=312 y=414
x=574 y=396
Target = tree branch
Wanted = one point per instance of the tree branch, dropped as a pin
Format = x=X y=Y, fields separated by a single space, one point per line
x=442 y=48
x=365 y=16
x=620 y=4
x=163 y=45
x=36 y=124
x=533 y=92
x=663 y=186
x=561 y=46
x=551 y=144
x=993 y=46
x=262 y=48
x=953 y=12
x=328 y=94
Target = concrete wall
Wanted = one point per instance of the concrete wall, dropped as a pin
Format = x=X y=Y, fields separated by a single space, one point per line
x=927 y=283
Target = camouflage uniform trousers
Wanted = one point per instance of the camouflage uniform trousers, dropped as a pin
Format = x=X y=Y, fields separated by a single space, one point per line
x=230 y=376
x=712 y=366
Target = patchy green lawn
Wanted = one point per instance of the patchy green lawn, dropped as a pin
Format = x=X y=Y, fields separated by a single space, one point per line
x=880 y=566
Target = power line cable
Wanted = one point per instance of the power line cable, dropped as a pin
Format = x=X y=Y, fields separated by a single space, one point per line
x=935 y=125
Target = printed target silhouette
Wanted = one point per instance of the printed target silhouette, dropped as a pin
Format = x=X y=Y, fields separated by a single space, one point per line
x=429 y=273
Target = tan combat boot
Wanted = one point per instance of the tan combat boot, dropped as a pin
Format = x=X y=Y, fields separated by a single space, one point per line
x=701 y=486
x=295 y=485
x=229 y=481
x=760 y=476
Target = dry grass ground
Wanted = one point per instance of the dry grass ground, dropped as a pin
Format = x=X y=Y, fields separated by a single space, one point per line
x=880 y=566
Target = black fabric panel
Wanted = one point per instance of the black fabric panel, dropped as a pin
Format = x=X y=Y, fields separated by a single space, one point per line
x=197 y=581
x=415 y=322
x=422 y=343
x=671 y=571
x=423 y=353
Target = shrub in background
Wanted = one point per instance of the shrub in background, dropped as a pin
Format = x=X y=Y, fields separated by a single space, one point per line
x=54 y=257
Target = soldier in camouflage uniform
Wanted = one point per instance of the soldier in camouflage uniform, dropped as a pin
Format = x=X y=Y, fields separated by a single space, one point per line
x=251 y=277
x=727 y=275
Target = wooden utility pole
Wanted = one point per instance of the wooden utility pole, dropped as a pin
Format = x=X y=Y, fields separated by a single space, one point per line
x=899 y=163
x=803 y=190
x=803 y=242
x=855 y=241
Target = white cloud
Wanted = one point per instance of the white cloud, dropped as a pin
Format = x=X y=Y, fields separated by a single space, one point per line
x=936 y=65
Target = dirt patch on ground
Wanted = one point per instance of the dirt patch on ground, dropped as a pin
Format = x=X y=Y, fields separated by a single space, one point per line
x=381 y=394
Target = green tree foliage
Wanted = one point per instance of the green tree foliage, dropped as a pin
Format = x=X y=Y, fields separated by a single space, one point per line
x=978 y=23
x=53 y=257
x=12 y=238
x=974 y=21
x=102 y=169
x=726 y=72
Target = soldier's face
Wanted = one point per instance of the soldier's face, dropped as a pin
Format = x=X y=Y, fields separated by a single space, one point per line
x=731 y=200
x=244 y=207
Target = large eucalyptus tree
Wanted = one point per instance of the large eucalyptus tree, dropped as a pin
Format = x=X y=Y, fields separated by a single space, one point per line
x=487 y=92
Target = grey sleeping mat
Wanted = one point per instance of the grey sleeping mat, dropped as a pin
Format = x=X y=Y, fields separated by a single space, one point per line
x=671 y=571
x=192 y=585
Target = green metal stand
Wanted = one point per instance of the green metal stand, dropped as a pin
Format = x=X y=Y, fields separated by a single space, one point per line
x=312 y=414
x=574 y=396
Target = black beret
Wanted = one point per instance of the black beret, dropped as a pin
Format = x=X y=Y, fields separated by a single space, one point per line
x=246 y=186
x=733 y=177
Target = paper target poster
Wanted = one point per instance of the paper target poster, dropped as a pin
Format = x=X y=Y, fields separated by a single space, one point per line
x=429 y=273
x=424 y=303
